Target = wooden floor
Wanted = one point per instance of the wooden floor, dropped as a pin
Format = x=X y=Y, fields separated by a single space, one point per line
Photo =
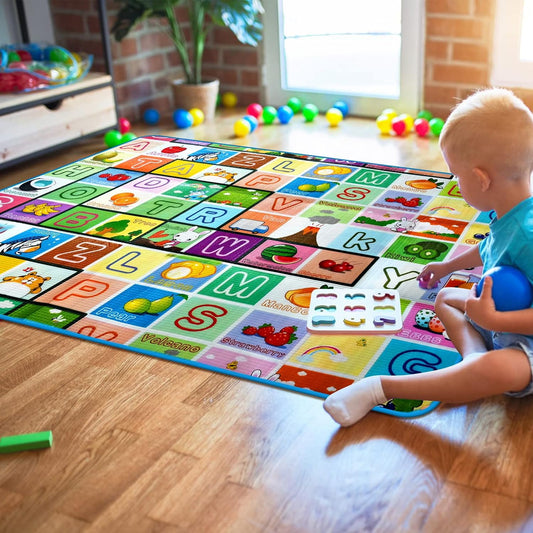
x=147 y=445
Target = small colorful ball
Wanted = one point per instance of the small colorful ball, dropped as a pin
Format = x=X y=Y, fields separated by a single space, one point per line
x=128 y=136
x=310 y=112
x=424 y=113
x=124 y=125
x=409 y=122
x=229 y=99
x=285 y=114
x=436 y=125
x=254 y=110
x=424 y=317
x=151 y=116
x=342 y=106
x=242 y=127
x=334 y=116
x=112 y=138
x=295 y=104
x=182 y=118
x=383 y=122
x=436 y=325
x=398 y=126
x=389 y=112
x=421 y=127
x=269 y=114
x=197 y=116
x=252 y=121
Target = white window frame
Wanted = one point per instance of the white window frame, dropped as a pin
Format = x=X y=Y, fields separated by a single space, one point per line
x=411 y=67
x=507 y=68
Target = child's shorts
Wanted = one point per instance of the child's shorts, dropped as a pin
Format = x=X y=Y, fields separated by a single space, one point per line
x=495 y=340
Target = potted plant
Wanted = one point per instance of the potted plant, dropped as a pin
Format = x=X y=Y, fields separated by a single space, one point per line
x=240 y=16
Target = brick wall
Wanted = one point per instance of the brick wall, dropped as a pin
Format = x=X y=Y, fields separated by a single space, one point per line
x=458 y=52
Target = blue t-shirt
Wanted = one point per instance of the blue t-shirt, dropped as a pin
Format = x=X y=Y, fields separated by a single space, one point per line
x=510 y=241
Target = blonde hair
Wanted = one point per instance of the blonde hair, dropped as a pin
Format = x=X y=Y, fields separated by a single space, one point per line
x=492 y=128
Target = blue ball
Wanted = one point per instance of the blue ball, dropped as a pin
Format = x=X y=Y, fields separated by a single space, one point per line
x=285 y=113
x=342 y=107
x=511 y=289
x=182 y=118
x=252 y=121
x=151 y=116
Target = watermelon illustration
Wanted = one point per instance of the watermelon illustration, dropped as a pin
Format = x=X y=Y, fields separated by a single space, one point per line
x=284 y=260
x=279 y=250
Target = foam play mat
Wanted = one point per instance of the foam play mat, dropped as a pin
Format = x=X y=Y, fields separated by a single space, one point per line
x=207 y=254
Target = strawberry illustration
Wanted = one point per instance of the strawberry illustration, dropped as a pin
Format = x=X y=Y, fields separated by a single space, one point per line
x=265 y=330
x=280 y=338
x=249 y=330
x=288 y=329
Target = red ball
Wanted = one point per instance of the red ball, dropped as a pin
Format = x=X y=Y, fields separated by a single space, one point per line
x=421 y=127
x=255 y=110
x=124 y=125
x=398 y=125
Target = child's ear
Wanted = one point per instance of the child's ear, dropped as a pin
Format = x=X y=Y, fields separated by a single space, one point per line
x=483 y=178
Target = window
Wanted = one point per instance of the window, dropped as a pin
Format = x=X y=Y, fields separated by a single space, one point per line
x=366 y=53
x=513 y=44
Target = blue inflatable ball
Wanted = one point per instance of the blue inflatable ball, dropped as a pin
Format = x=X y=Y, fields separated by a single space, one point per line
x=151 y=116
x=285 y=113
x=342 y=107
x=252 y=121
x=511 y=289
x=182 y=118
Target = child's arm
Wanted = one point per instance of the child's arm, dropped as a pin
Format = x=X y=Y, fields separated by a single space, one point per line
x=483 y=312
x=433 y=272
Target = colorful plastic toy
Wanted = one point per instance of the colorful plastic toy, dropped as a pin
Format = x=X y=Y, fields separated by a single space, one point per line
x=229 y=99
x=242 y=127
x=269 y=114
x=334 y=116
x=421 y=127
x=399 y=126
x=511 y=289
x=124 y=125
x=29 y=67
x=254 y=110
x=436 y=125
x=252 y=121
x=182 y=118
x=342 y=107
x=112 y=138
x=310 y=112
x=151 y=116
x=28 y=441
x=285 y=113
x=384 y=123
x=197 y=116
x=295 y=104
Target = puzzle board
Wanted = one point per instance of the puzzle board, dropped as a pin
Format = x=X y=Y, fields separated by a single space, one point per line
x=207 y=254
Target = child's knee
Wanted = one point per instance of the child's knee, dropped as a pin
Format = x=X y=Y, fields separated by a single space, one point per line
x=450 y=297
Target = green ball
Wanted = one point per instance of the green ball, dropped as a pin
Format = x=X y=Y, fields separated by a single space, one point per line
x=113 y=138
x=128 y=136
x=425 y=114
x=58 y=55
x=436 y=125
x=269 y=114
x=310 y=111
x=295 y=104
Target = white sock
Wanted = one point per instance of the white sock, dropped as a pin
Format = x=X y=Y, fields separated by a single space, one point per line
x=349 y=405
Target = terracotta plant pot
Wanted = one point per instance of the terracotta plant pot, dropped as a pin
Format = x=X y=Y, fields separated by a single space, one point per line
x=203 y=96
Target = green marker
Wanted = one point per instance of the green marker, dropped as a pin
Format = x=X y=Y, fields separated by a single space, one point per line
x=29 y=441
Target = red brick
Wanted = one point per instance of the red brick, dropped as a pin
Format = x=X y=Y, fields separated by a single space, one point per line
x=461 y=74
x=436 y=94
x=471 y=52
x=449 y=7
x=484 y=8
x=68 y=23
x=250 y=78
x=437 y=49
x=224 y=36
x=455 y=27
x=240 y=56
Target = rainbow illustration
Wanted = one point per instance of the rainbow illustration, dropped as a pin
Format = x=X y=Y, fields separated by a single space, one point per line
x=330 y=351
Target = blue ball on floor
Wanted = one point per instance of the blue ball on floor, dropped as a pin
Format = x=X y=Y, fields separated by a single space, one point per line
x=285 y=113
x=342 y=107
x=151 y=116
x=182 y=118
x=511 y=289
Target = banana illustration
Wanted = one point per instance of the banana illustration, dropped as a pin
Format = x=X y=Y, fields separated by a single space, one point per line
x=111 y=156
x=41 y=209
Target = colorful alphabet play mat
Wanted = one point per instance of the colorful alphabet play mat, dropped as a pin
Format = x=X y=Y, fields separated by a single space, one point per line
x=208 y=254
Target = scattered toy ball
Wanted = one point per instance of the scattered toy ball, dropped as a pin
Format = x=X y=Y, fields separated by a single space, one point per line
x=389 y=112
x=334 y=116
x=421 y=126
x=295 y=104
x=182 y=118
x=128 y=136
x=285 y=113
x=409 y=122
x=254 y=110
x=252 y=121
x=398 y=126
x=310 y=112
x=197 y=116
x=112 y=138
x=269 y=114
x=242 y=127
x=151 y=116
x=342 y=106
x=124 y=125
x=424 y=113
x=229 y=99
x=436 y=125
x=384 y=124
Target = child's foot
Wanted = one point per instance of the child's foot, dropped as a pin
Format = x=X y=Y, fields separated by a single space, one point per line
x=349 y=405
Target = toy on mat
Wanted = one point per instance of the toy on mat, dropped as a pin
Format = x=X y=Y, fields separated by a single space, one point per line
x=28 y=441
x=511 y=289
x=360 y=311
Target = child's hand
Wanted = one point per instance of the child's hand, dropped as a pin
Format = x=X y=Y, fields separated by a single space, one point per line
x=431 y=274
x=482 y=310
